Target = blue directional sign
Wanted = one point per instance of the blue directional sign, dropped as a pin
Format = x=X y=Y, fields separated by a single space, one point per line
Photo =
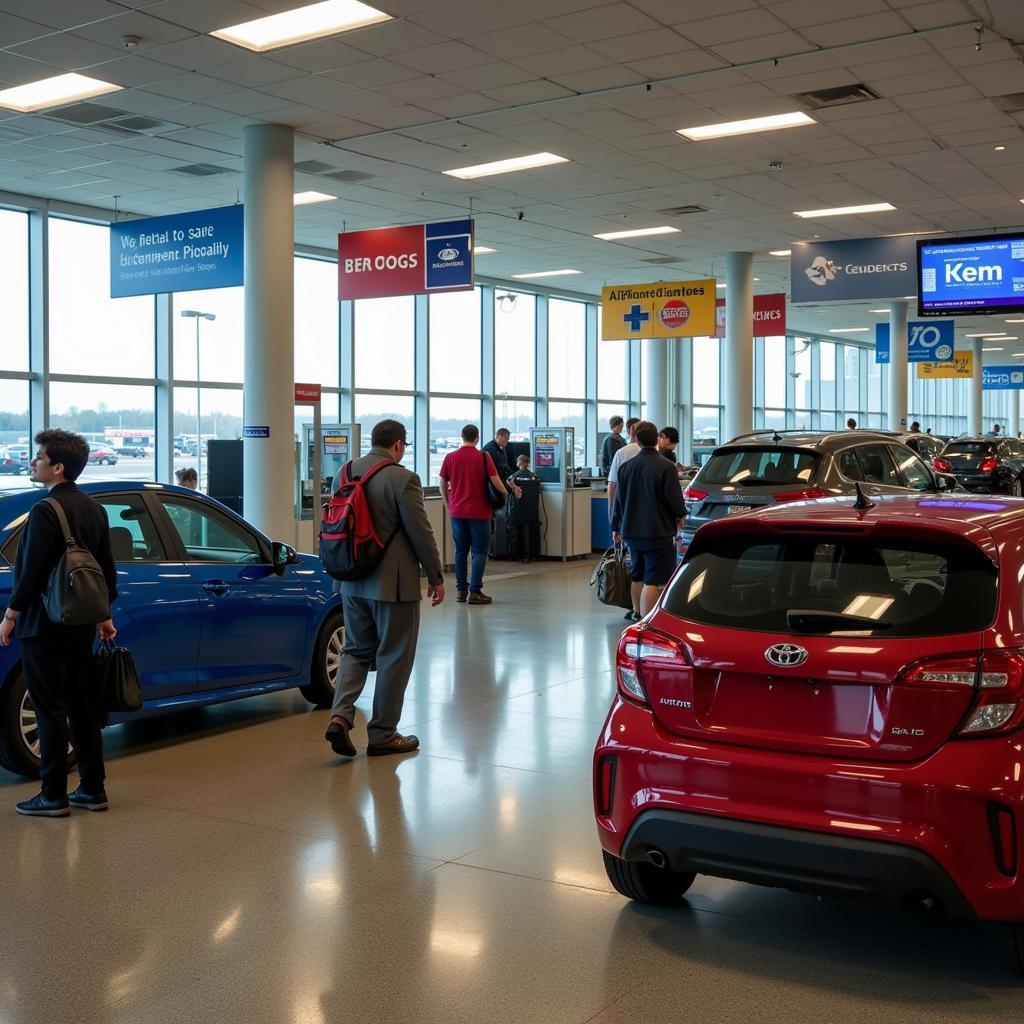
x=928 y=341
x=256 y=431
x=183 y=252
x=1003 y=378
x=449 y=255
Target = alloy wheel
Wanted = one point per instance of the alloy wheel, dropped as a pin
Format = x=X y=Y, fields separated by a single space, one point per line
x=28 y=725
x=332 y=655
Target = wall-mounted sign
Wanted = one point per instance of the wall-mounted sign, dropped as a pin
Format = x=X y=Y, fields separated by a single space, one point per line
x=961 y=367
x=255 y=431
x=308 y=393
x=182 y=252
x=929 y=341
x=405 y=261
x=664 y=309
x=1002 y=378
x=336 y=444
x=769 y=316
x=858 y=268
x=545 y=450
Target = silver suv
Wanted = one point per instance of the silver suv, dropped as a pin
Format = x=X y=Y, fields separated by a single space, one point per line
x=767 y=467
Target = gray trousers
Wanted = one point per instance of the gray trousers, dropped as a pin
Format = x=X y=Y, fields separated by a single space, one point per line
x=381 y=634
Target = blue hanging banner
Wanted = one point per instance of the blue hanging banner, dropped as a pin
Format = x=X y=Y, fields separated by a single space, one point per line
x=855 y=268
x=883 y=353
x=181 y=253
x=928 y=341
x=1002 y=378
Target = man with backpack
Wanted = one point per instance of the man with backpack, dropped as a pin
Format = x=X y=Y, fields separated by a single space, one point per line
x=380 y=589
x=56 y=658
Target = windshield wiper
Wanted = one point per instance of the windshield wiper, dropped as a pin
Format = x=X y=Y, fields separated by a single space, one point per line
x=810 y=620
x=756 y=480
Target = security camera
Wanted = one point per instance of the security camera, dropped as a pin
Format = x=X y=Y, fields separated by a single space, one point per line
x=520 y=214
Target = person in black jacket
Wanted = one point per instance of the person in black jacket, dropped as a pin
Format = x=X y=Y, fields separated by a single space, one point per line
x=498 y=451
x=647 y=511
x=56 y=659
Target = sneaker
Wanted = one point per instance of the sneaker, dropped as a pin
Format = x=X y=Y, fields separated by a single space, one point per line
x=461 y=596
x=396 y=744
x=89 y=801
x=40 y=807
x=631 y=616
x=339 y=739
x=478 y=597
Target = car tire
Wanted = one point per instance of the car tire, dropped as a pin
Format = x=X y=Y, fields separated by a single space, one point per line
x=326 y=662
x=1015 y=945
x=19 y=738
x=645 y=883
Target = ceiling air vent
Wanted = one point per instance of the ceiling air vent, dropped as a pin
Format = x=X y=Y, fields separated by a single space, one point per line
x=816 y=99
x=85 y=113
x=349 y=176
x=662 y=261
x=682 y=211
x=1012 y=102
x=139 y=124
x=314 y=167
x=121 y=122
x=202 y=170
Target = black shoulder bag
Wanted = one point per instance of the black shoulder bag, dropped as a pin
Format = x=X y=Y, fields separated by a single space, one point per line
x=494 y=496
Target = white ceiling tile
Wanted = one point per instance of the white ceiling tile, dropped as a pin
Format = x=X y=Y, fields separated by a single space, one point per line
x=195 y=52
x=806 y=13
x=443 y=57
x=191 y=87
x=489 y=76
x=768 y=47
x=602 y=22
x=641 y=45
x=463 y=105
x=396 y=37
x=373 y=73
x=726 y=28
x=520 y=41
x=527 y=92
x=671 y=12
x=471 y=18
x=204 y=15
x=252 y=72
x=600 y=78
x=996 y=79
x=416 y=89
x=561 y=62
x=250 y=101
x=66 y=52
x=938 y=97
x=318 y=56
x=935 y=13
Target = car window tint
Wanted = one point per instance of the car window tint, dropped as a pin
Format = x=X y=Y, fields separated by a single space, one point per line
x=133 y=534
x=909 y=587
x=210 y=536
x=877 y=465
x=849 y=466
x=914 y=472
x=760 y=466
x=969 y=448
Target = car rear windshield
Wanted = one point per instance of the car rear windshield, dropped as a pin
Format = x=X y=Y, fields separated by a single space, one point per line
x=969 y=448
x=837 y=586
x=760 y=466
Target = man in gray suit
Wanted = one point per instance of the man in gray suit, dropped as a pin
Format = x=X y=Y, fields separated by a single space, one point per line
x=382 y=611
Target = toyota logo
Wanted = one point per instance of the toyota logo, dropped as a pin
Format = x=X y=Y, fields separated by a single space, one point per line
x=786 y=655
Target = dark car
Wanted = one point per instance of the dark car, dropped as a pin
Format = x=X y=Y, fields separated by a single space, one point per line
x=10 y=465
x=211 y=609
x=928 y=446
x=774 y=467
x=985 y=464
x=134 y=451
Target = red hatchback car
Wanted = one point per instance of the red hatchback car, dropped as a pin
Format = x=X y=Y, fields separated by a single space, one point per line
x=829 y=699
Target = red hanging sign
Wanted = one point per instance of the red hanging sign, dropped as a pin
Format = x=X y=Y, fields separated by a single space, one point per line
x=306 y=393
x=769 y=316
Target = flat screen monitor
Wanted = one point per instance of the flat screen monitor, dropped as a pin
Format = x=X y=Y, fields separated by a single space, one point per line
x=970 y=276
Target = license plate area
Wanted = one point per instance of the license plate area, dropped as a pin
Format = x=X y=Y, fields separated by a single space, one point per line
x=734 y=510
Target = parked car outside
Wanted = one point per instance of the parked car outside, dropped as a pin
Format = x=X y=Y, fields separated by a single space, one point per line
x=21 y=453
x=985 y=464
x=102 y=455
x=10 y=465
x=134 y=451
x=211 y=609
x=830 y=699
x=772 y=467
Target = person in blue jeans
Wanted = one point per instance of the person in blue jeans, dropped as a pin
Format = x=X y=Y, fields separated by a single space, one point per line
x=464 y=477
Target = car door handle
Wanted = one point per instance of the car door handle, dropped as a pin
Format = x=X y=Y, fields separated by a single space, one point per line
x=218 y=587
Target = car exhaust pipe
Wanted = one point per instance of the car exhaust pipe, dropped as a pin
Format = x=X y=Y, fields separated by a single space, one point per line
x=657 y=858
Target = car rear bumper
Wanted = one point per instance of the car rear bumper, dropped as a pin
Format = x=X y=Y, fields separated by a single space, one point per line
x=898 y=832
x=983 y=483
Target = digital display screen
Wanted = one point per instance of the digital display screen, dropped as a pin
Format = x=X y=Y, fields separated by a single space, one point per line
x=336 y=444
x=969 y=276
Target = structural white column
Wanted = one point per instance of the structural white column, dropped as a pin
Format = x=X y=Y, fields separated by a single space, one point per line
x=738 y=357
x=898 y=366
x=269 y=329
x=656 y=384
x=974 y=392
x=1013 y=427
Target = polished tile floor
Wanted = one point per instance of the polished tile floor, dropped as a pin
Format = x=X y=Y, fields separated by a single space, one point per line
x=246 y=874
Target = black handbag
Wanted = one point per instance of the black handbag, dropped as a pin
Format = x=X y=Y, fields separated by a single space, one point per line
x=116 y=679
x=613 y=578
x=494 y=496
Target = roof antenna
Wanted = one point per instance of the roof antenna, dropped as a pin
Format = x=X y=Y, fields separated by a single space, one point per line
x=776 y=436
x=863 y=502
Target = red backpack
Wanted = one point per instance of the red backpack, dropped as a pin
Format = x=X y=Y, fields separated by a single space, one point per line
x=350 y=547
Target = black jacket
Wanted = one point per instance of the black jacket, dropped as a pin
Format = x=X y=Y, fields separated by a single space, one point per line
x=41 y=548
x=648 y=498
x=499 y=456
x=612 y=443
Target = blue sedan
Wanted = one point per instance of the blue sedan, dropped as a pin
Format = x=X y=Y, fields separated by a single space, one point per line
x=211 y=609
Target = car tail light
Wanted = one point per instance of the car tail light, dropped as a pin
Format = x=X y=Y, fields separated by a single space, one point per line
x=692 y=494
x=604 y=784
x=638 y=644
x=806 y=494
x=998 y=677
x=942 y=465
x=988 y=464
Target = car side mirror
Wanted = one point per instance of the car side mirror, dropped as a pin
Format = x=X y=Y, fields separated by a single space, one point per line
x=282 y=556
x=945 y=481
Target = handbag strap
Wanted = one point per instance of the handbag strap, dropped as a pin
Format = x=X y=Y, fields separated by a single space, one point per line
x=63 y=520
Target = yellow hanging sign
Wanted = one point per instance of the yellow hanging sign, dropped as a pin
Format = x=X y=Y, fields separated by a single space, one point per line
x=664 y=309
x=961 y=367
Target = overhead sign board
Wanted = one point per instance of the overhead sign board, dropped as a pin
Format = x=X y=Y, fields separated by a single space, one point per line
x=664 y=309
x=965 y=276
x=405 y=261
x=1002 y=378
x=962 y=367
x=769 y=316
x=857 y=268
x=182 y=252
x=927 y=342
x=308 y=393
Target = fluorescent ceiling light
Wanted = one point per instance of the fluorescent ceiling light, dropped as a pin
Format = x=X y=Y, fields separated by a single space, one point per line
x=611 y=236
x=746 y=127
x=720 y=284
x=848 y=330
x=482 y=250
x=1009 y=337
x=878 y=310
x=516 y=163
x=1000 y=149
x=546 y=273
x=303 y=198
x=1015 y=320
x=779 y=252
x=1017 y=355
x=302 y=24
x=991 y=350
x=987 y=334
x=54 y=92
x=841 y=211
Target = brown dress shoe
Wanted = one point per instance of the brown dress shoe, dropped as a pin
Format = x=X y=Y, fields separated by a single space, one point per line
x=461 y=596
x=396 y=744
x=478 y=597
x=339 y=739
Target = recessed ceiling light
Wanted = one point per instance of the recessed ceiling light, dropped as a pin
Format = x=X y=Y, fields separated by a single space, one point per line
x=992 y=350
x=720 y=284
x=746 y=127
x=54 y=92
x=482 y=250
x=779 y=252
x=304 y=198
x=1017 y=355
x=840 y=211
x=1000 y=149
x=546 y=273
x=879 y=311
x=302 y=24
x=848 y=330
x=516 y=163
x=612 y=236
x=1015 y=320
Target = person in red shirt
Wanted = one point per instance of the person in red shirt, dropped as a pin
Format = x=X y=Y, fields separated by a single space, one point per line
x=464 y=477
